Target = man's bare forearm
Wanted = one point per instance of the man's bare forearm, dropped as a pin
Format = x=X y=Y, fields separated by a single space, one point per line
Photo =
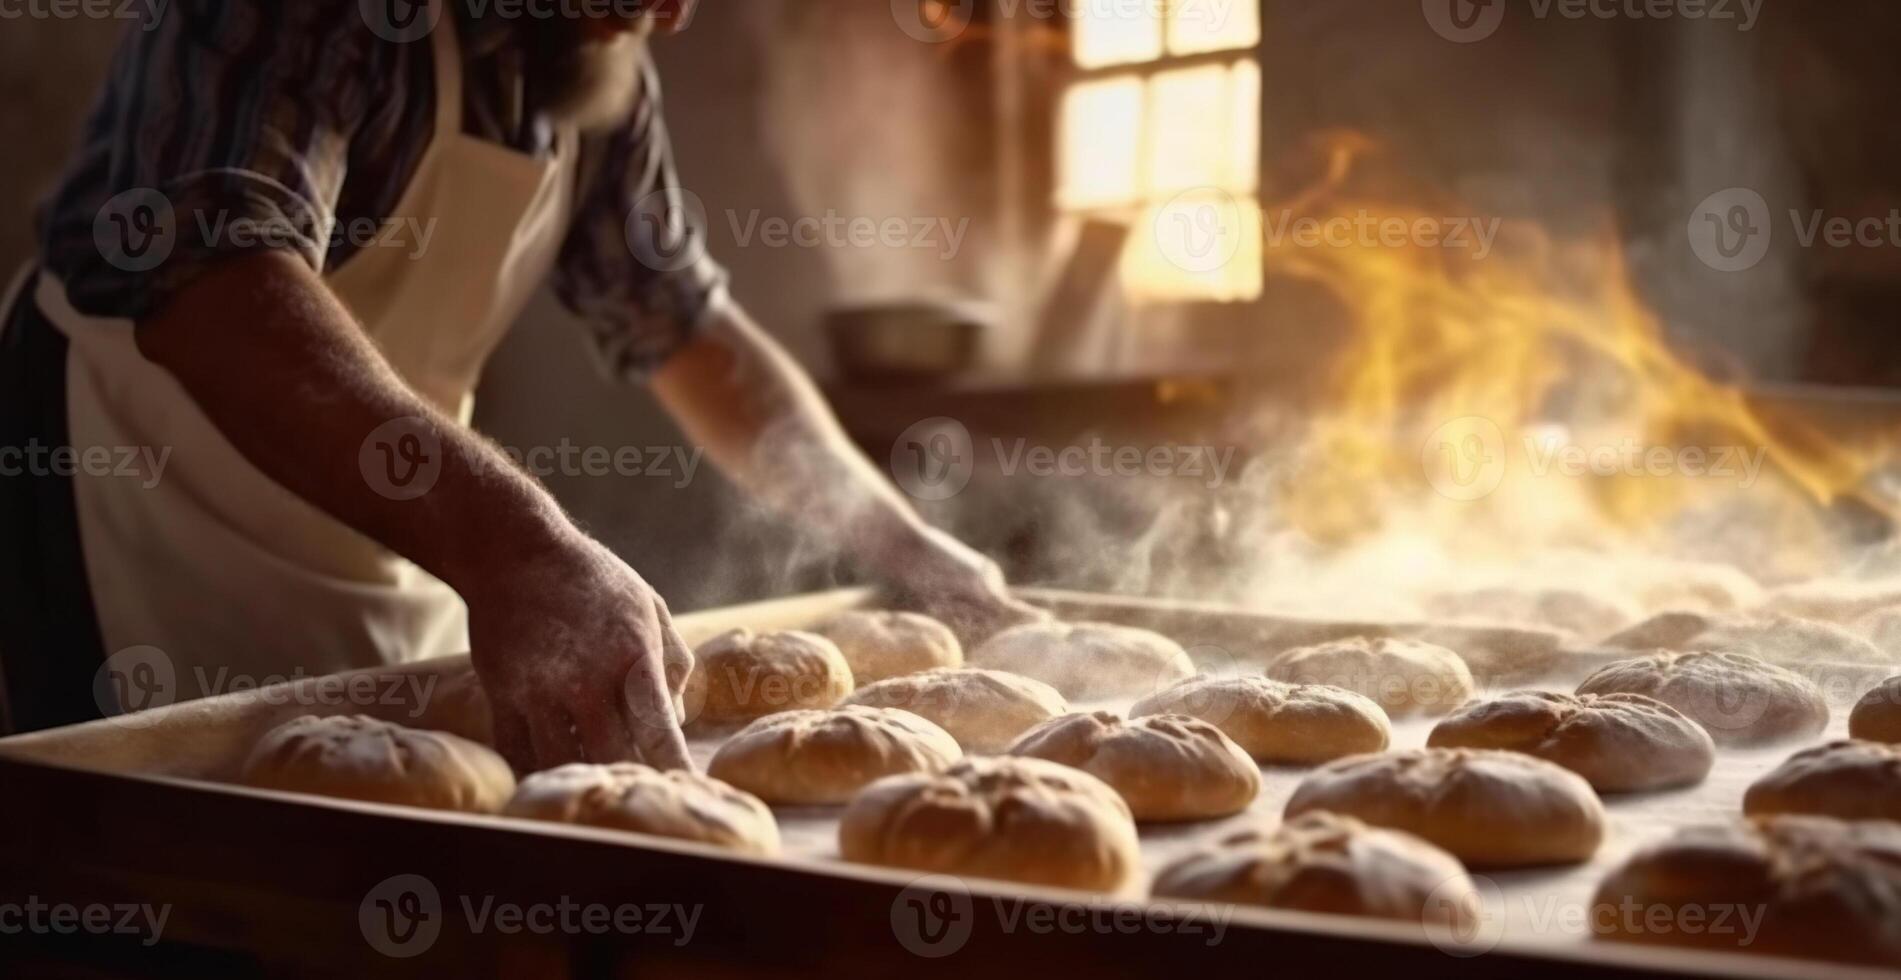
x=284 y=372
x=740 y=395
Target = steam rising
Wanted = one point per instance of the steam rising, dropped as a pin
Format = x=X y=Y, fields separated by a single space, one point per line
x=1507 y=438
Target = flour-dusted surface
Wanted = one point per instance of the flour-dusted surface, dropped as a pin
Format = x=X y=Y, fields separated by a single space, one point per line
x=1545 y=904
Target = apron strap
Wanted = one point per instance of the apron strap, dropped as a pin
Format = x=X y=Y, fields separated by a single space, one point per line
x=446 y=56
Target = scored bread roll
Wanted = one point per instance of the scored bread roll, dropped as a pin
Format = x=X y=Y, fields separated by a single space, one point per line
x=1404 y=677
x=1621 y=743
x=881 y=645
x=1276 y=722
x=740 y=675
x=1673 y=630
x=1738 y=699
x=1671 y=583
x=1847 y=780
x=1008 y=818
x=1167 y=767
x=823 y=757
x=1834 y=600
x=1087 y=661
x=1489 y=808
x=984 y=710
x=628 y=796
x=1877 y=716
x=460 y=706
x=1777 y=638
x=1807 y=887
x=355 y=757
x=1325 y=862
x=1574 y=611
x=1787 y=639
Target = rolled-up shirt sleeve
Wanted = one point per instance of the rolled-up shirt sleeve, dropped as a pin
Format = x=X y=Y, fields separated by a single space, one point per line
x=236 y=119
x=635 y=266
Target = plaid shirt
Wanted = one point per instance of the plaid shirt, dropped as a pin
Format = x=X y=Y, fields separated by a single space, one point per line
x=295 y=115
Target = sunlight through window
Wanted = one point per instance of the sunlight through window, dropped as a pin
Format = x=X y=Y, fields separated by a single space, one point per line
x=1109 y=33
x=1163 y=127
x=1203 y=26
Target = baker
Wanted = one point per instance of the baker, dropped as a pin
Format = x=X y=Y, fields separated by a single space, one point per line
x=290 y=240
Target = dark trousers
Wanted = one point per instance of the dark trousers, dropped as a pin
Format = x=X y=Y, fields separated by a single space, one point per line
x=50 y=645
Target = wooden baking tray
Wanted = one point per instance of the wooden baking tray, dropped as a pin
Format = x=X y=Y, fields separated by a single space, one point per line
x=130 y=811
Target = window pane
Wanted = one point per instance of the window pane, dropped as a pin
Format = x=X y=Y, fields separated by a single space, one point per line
x=1100 y=156
x=1205 y=129
x=1117 y=33
x=1203 y=245
x=1244 y=126
x=1200 y=26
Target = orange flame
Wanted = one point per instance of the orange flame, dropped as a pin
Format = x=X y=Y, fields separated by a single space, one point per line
x=1545 y=342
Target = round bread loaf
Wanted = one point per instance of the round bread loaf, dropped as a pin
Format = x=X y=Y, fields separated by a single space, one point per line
x=1787 y=639
x=1840 y=601
x=1573 y=611
x=740 y=675
x=1325 y=862
x=1807 y=887
x=1621 y=743
x=629 y=796
x=823 y=757
x=1738 y=699
x=984 y=710
x=1275 y=722
x=1883 y=629
x=1167 y=767
x=1406 y=678
x=354 y=757
x=1877 y=716
x=1087 y=661
x=881 y=645
x=1489 y=808
x=1675 y=630
x=1772 y=638
x=1847 y=780
x=1668 y=583
x=459 y=705
x=1009 y=818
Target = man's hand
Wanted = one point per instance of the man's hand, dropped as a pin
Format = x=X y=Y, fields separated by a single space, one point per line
x=740 y=395
x=580 y=661
x=576 y=652
x=954 y=583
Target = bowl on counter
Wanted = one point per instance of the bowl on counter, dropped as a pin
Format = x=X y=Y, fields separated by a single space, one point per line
x=888 y=343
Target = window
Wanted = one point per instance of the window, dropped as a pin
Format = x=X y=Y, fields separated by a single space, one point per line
x=1164 y=125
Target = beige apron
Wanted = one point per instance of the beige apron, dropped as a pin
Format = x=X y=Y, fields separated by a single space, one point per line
x=220 y=567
